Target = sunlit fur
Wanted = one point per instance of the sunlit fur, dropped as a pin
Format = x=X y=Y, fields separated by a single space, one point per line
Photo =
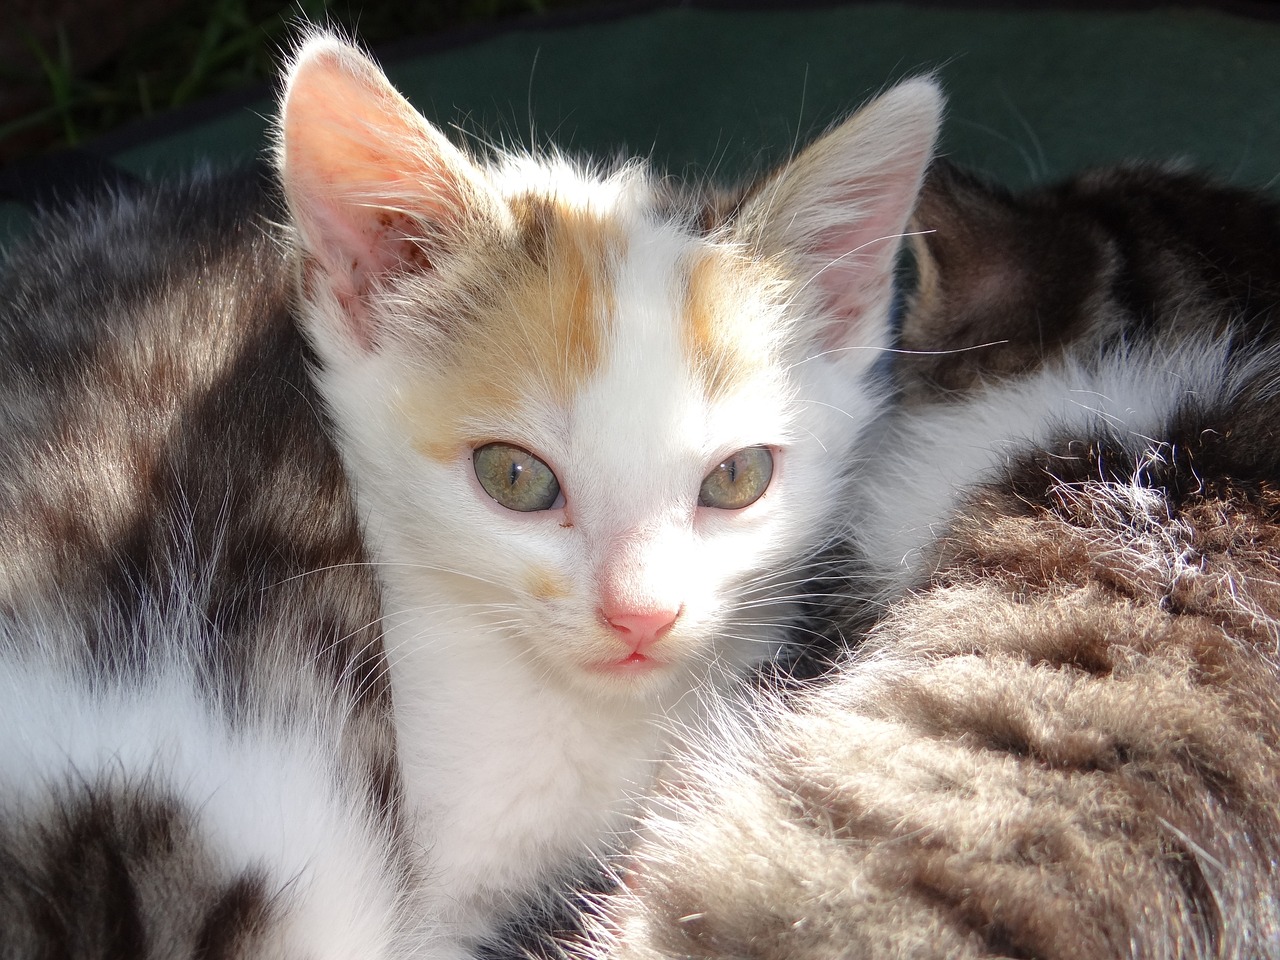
x=592 y=317
x=196 y=751
x=263 y=802
x=935 y=458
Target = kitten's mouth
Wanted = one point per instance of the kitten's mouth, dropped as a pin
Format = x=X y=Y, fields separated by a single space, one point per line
x=632 y=664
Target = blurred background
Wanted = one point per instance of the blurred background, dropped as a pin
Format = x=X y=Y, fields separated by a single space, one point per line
x=721 y=88
x=71 y=70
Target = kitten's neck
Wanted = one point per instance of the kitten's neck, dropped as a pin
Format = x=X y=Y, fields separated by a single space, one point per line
x=518 y=779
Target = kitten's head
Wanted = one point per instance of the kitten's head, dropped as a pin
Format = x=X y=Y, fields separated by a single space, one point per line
x=603 y=415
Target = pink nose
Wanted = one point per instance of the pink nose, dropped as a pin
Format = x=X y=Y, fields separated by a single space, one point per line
x=640 y=628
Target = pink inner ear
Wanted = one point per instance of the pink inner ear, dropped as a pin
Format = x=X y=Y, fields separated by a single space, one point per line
x=855 y=260
x=350 y=263
x=372 y=186
x=842 y=206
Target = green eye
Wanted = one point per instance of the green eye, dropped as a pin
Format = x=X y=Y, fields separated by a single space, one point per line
x=738 y=482
x=515 y=478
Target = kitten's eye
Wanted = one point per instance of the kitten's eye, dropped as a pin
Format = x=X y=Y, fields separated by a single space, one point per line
x=515 y=478
x=738 y=482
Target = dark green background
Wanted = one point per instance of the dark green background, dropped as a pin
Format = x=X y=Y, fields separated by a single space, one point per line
x=1033 y=94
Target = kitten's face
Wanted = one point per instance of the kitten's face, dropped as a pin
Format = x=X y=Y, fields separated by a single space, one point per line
x=603 y=433
x=608 y=446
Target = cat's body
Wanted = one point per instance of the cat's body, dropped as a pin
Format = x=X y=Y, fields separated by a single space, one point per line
x=196 y=749
x=1062 y=738
x=251 y=729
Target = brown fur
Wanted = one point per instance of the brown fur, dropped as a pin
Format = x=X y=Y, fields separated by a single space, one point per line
x=1009 y=281
x=169 y=494
x=540 y=298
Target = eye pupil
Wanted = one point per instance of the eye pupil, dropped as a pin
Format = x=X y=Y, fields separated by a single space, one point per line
x=514 y=476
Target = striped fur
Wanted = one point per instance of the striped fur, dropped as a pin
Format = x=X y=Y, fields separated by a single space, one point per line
x=196 y=755
x=596 y=319
x=1061 y=738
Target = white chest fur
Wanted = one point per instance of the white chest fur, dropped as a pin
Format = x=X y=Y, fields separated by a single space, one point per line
x=516 y=779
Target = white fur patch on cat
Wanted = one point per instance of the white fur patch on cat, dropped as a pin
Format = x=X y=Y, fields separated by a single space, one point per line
x=935 y=455
x=267 y=800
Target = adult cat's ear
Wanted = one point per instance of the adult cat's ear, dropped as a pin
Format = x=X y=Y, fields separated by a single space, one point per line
x=838 y=212
x=372 y=187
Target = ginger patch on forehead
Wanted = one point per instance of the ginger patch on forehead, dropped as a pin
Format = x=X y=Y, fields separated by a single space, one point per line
x=561 y=307
x=539 y=332
x=729 y=335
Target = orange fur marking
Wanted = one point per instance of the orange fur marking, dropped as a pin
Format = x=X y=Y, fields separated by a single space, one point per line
x=727 y=344
x=544 y=585
x=564 y=307
x=540 y=330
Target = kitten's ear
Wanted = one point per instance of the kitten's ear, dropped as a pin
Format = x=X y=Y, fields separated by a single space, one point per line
x=373 y=188
x=840 y=208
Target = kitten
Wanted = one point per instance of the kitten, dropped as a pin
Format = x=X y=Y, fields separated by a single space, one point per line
x=594 y=423
x=196 y=751
x=1062 y=738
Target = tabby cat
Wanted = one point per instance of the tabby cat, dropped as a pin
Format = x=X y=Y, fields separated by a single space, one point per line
x=196 y=744
x=593 y=424
x=1061 y=739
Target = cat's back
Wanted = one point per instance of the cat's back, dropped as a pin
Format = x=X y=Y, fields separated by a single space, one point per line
x=141 y=334
x=1113 y=256
x=157 y=415
x=184 y=270
x=196 y=756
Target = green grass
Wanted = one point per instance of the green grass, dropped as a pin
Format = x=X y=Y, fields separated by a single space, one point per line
x=211 y=47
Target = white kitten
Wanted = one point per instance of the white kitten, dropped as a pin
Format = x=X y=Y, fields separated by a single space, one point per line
x=595 y=425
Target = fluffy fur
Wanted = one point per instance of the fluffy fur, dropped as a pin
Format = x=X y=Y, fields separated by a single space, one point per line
x=632 y=339
x=228 y=730
x=1061 y=738
x=195 y=737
